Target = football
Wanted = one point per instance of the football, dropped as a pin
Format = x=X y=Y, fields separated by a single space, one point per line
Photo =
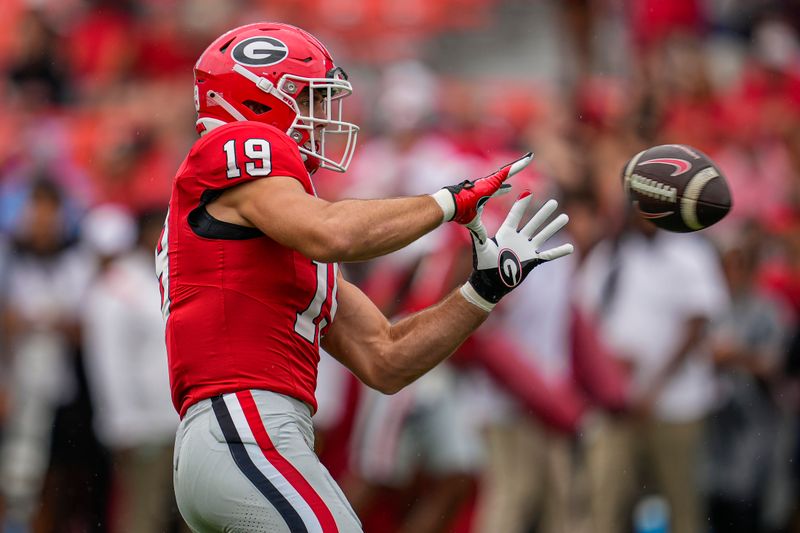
x=676 y=187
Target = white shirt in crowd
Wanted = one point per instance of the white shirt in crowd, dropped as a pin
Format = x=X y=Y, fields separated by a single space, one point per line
x=661 y=283
x=126 y=356
x=44 y=292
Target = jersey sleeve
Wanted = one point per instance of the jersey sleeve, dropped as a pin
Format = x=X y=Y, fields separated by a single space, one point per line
x=245 y=151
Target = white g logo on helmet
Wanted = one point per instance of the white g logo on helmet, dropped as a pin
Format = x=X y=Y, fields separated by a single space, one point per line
x=260 y=52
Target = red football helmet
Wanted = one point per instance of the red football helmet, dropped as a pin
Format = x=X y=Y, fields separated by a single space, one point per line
x=259 y=72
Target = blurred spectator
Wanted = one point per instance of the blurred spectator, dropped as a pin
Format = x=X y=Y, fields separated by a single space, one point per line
x=779 y=278
x=423 y=437
x=38 y=75
x=127 y=368
x=779 y=273
x=411 y=156
x=654 y=293
x=749 y=343
x=771 y=80
x=691 y=111
x=534 y=473
x=100 y=46
x=529 y=473
x=47 y=279
x=761 y=122
x=653 y=21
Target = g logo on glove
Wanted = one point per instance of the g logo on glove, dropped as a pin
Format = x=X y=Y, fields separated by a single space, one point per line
x=509 y=267
x=500 y=263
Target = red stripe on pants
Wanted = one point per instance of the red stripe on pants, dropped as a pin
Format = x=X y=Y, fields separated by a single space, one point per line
x=286 y=469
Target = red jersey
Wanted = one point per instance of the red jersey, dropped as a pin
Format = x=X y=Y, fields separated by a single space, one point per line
x=242 y=311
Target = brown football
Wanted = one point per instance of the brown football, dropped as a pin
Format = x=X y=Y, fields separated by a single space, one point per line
x=677 y=187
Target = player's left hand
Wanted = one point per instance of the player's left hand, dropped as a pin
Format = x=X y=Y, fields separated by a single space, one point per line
x=463 y=202
x=501 y=263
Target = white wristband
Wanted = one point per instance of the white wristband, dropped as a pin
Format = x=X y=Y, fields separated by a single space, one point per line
x=470 y=295
x=445 y=200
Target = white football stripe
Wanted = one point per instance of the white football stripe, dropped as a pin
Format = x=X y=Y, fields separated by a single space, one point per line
x=629 y=170
x=270 y=472
x=334 y=292
x=690 y=195
x=162 y=269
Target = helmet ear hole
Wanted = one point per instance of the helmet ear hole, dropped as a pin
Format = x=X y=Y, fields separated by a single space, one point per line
x=256 y=107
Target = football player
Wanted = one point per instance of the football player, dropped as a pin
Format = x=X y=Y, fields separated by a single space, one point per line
x=250 y=284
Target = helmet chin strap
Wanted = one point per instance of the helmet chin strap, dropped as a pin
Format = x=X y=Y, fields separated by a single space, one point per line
x=267 y=86
x=263 y=83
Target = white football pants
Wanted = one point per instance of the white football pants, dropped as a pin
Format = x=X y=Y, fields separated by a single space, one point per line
x=245 y=462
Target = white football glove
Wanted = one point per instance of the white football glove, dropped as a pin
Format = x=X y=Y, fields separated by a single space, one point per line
x=502 y=262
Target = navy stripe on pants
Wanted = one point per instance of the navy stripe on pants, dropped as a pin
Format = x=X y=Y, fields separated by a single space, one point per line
x=251 y=471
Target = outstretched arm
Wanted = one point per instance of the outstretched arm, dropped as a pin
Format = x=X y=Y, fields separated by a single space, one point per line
x=352 y=230
x=348 y=230
x=386 y=356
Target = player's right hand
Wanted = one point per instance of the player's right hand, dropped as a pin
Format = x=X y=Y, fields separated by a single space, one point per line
x=463 y=202
x=501 y=263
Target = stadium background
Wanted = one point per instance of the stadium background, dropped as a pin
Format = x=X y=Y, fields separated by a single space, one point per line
x=97 y=111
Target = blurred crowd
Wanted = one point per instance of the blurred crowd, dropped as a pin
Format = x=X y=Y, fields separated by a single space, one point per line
x=650 y=382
